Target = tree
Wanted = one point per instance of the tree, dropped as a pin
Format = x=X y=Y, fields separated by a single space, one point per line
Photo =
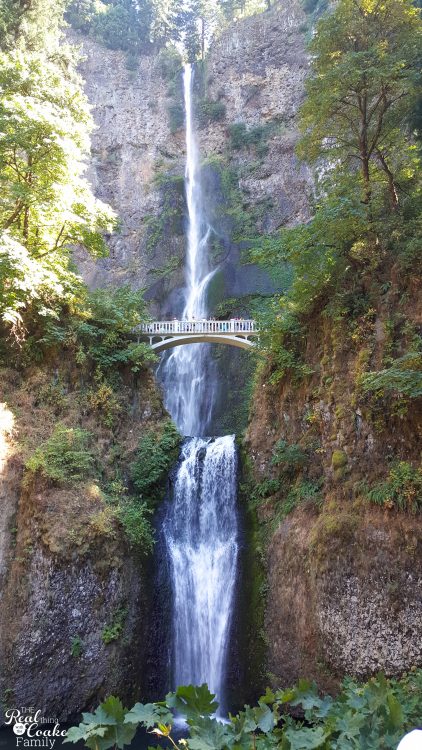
x=45 y=202
x=119 y=24
x=46 y=205
x=364 y=82
x=30 y=24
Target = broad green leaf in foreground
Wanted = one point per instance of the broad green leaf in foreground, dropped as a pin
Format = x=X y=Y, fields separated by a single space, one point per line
x=148 y=715
x=192 y=700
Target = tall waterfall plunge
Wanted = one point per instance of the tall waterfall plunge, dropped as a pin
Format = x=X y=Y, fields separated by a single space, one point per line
x=188 y=374
x=201 y=526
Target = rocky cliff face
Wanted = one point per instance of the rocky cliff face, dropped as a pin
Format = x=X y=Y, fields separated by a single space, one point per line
x=344 y=577
x=131 y=146
x=255 y=70
x=73 y=592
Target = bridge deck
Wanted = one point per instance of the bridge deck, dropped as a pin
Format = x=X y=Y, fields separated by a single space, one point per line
x=235 y=325
x=166 y=334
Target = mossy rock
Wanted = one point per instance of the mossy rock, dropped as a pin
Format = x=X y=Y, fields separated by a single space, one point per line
x=339 y=460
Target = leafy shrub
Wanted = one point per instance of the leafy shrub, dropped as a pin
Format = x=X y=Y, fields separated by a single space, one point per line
x=402 y=489
x=104 y=401
x=154 y=457
x=290 y=458
x=210 y=110
x=113 y=631
x=242 y=137
x=65 y=457
x=76 y=646
x=373 y=715
x=264 y=489
x=134 y=517
x=403 y=377
x=101 y=329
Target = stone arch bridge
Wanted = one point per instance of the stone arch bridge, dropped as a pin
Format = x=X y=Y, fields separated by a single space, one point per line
x=166 y=334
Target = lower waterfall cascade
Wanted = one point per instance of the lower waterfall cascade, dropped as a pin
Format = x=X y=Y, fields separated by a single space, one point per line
x=201 y=538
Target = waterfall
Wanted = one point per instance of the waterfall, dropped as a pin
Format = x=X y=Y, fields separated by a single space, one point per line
x=201 y=537
x=200 y=527
x=188 y=374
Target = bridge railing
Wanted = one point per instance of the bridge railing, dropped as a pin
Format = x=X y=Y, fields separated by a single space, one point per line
x=235 y=325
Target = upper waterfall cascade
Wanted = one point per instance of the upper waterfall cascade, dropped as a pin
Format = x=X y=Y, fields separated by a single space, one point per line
x=188 y=374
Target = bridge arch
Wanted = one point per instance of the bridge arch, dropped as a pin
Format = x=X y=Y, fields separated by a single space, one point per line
x=182 y=339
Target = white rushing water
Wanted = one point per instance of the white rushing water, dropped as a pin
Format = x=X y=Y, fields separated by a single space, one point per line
x=188 y=374
x=200 y=528
x=201 y=537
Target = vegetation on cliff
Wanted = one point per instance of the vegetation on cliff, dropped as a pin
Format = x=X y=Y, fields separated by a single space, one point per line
x=146 y=26
x=373 y=715
x=74 y=348
x=356 y=264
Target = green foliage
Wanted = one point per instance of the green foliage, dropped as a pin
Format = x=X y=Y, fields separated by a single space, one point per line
x=169 y=63
x=264 y=489
x=120 y=24
x=242 y=137
x=135 y=519
x=289 y=458
x=403 y=377
x=402 y=489
x=176 y=116
x=364 y=81
x=367 y=212
x=46 y=205
x=32 y=25
x=76 y=646
x=101 y=330
x=192 y=701
x=65 y=457
x=155 y=455
x=105 y=728
x=113 y=631
x=210 y=110
x=134 y=516
x=373 y=715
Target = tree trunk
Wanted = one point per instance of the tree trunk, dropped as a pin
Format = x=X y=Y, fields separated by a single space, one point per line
x=394 y=198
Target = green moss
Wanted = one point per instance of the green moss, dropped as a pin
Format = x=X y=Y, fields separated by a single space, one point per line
x=334 y=530
x=252 y=597
x=339 y=459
